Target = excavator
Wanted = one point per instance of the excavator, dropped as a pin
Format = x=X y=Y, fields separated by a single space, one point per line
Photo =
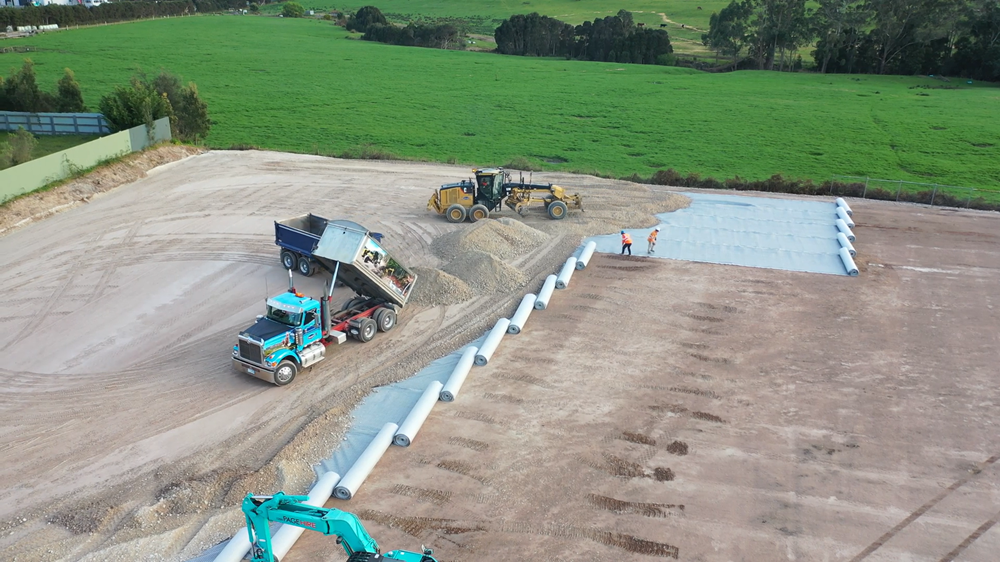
x=290 y=510
x=492 y=188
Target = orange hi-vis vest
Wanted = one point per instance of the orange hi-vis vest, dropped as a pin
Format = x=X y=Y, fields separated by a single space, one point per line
x=652 y=237
x=626 y=239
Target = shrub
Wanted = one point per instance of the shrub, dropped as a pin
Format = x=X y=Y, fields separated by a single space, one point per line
x=292 y=10
x=19 y=148
x=190 y=120
x=523 y=164
x=21 y=92
x=366 y=16
x=136 y=104
x=254 y=8
x=69 y=99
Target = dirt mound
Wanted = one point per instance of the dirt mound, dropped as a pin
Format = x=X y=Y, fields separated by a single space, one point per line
x=505 y=238
x=485 y=273
x=435 y=287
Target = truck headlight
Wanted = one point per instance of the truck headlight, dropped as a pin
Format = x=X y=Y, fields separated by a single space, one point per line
x=269 y=361
x=236 y=350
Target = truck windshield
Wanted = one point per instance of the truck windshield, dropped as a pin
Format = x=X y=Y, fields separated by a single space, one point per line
x=288 y=318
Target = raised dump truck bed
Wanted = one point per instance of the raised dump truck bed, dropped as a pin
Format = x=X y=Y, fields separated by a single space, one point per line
x=298 y=237
x=359 y=261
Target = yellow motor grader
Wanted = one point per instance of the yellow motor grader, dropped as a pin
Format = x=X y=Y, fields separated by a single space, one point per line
x=492 y=188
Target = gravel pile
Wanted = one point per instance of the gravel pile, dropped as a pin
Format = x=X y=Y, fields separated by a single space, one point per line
x=485 y=273
x=505 y=238
x=435 y=287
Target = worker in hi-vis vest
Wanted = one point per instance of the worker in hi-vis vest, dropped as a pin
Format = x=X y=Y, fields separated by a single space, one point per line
x=626 y=243
x=652 y=240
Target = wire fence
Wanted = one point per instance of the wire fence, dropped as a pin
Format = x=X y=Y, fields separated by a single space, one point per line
x=938 y=195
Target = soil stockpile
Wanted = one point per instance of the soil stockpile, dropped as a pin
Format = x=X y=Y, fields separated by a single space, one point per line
x=435 y=287
x=485 y=273
x=505 y=238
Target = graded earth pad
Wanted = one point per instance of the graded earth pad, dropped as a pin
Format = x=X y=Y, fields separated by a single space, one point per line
x=127 y=432
x=662 y=409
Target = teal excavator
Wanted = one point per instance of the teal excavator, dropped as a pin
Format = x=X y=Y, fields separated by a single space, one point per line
x=290 y=510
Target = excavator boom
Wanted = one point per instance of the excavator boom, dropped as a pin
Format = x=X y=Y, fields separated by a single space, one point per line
x=290 y=510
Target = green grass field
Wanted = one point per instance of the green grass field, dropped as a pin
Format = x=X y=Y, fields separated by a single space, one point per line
x=47 y=144
x=302 y=85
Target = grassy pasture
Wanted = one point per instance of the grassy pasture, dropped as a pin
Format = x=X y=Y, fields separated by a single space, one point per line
x=303 y=85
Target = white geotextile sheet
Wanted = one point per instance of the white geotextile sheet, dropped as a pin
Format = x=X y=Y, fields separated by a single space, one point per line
x=748 y=231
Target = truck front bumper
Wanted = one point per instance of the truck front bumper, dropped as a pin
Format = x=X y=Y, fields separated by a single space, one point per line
x=255 y=370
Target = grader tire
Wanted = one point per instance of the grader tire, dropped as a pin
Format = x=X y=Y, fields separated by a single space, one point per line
x=455 y=213
x=478 y=213
x=557 y=210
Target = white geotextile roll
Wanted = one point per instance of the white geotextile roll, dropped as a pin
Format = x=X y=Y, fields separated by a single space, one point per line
x=546 y=293
x=492 y=341
x=586 y=254
x=415 y=419
x=845 y=243
x=845 y=230
x=521 y=316
x=845 y=217
x=239 y=545
x=852 y=268
x=458 y=374
x=351 y=481
x=283 y=540
x=562 y=280
x=843 y=205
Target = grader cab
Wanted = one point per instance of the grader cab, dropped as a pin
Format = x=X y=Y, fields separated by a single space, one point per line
x=492 y=188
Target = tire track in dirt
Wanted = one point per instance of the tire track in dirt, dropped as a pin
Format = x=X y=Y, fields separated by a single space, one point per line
x=924 y=508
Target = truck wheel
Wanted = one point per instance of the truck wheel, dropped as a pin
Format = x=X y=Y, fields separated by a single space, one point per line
x=557 y=210
x=285 y=373
x=386 y=319
x=478 y=213
x=351 y=303
x=288 y=259
x=367 y=329
x=455 y=213
x=306 y=267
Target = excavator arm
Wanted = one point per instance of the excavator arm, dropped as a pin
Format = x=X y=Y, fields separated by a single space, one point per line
x=350 y=533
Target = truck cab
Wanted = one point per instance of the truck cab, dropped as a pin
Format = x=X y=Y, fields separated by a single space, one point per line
x=282 y=341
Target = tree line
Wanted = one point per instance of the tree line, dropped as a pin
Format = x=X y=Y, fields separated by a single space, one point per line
x=611 y=39
x=955 y=37
x=126 y=10
x=142 y=101
x=370 y=21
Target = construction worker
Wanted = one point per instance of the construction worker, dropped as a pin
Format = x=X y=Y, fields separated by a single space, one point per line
x=626 y=243
x=652 y=240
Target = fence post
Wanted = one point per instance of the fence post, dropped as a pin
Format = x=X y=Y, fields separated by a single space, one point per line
x=933 y=194
x=899 y=189
x=864 y=194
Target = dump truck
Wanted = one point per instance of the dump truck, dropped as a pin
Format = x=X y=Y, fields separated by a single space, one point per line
x=296 y=330
x=491 y=189
x=298 y=237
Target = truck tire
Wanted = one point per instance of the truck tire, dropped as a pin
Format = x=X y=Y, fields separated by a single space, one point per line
x=455 y=213
x=367 y=330
x=385 y=318
x=285 y=373
x=306 y=266
x=352 y=302
x=557 y=210
x=288 y=259
x=478 y=213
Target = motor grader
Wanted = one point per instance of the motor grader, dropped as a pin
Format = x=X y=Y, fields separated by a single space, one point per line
x=491 y=189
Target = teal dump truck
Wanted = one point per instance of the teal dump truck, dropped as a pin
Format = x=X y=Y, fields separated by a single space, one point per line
x=296 y=330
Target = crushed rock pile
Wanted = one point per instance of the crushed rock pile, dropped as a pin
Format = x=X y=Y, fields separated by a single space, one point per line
x=505 y=238
x=435 y=287
x=485 y=273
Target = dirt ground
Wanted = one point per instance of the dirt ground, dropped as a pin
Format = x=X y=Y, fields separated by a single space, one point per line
x=657 y=409
x=127 y=432
x=664 y=409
